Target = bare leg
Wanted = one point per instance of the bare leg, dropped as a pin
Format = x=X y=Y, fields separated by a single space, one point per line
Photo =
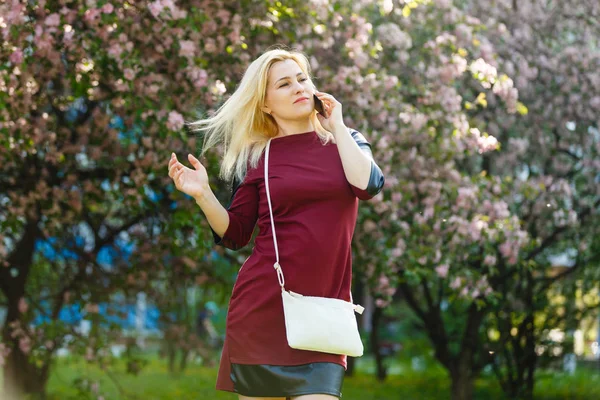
x=240 y=397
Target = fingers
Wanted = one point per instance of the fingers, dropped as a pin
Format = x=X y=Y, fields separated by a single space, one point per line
x=195 y=162
x=325 y=96
x=176 y=168
x=177 y=175
x=174 y=165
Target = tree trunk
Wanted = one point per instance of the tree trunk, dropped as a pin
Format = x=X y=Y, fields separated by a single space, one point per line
x=465 y=369
x=462 y=383
x=350 y=368
x=20 y=376
x=358 y=298
x=183 y=360
x=376 y=345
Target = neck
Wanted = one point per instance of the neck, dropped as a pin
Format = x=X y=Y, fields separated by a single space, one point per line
x=294 y=127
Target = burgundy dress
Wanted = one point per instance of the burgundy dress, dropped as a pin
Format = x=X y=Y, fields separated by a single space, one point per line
x=315 y=210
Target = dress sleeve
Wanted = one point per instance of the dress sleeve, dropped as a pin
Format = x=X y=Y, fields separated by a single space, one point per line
x=243 y=213
x=376 y=179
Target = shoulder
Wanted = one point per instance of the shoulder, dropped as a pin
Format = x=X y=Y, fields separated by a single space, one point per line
x=252 y=176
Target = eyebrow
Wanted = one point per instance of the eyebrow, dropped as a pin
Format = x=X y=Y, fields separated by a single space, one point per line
x=287 y=77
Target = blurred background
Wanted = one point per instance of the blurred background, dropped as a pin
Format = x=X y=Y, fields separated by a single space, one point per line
x=477 y=264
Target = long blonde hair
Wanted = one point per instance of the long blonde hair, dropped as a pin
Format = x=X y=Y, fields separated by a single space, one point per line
x=241 y=126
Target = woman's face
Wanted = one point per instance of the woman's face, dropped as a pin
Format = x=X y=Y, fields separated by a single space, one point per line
x=289 y=93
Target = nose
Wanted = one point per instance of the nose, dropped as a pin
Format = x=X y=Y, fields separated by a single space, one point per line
x=298 y=88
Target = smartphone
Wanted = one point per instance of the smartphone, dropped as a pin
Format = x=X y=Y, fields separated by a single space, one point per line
x=319 y=106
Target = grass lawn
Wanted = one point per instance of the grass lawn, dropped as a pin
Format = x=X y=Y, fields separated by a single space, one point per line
x=155 y=383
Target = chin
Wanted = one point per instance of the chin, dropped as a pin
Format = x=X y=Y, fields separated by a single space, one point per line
x=300 y=115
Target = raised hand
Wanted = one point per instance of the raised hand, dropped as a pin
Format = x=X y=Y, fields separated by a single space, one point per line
x=193 y=182
x=333 y=112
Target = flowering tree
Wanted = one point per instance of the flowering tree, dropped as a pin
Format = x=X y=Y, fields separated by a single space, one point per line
x=471 y=220
x=551 y=157
x=92 y=101
x=94 y=97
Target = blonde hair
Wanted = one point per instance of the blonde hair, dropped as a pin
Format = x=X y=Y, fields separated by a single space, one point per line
x=241 y=126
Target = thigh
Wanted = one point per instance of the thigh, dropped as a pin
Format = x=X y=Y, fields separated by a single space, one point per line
x=240 y=397
x=315 y=397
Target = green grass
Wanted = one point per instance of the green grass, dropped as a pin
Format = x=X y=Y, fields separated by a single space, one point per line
x=155 y=383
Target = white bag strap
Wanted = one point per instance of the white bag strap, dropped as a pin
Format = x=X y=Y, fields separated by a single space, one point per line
x=277 y=267
x=358 y=308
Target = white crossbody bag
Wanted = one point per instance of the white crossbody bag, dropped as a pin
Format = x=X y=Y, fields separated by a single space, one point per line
x=321 y=324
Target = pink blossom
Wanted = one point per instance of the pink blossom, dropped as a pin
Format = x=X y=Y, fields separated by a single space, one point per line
x=108 y=8
x=91 y=14
x=92 y=308
x=175 y=121
x=466 y=197
x=187 y=48
x=177 y=13
x=224 y=15
x=16 y=57
x=198 y=76
x=456 y=283
x=89 y=354
x=450 y=100
x=390 y=82
x=443 y=3
x=396 y=197
x=381 y=303
x=384 y=281
x=25 y=344
x=489 y=260
x=391 y=36
x=487 y=143
x=155 y=8
x=396 y=252
x=52 y=20
x=429 y=212
x=115 y=50
x=23 y=305
x=210 y=45
x=506 y=249
x=484 y=72
x=442 y=270
x=129 y=74
x=4 y=352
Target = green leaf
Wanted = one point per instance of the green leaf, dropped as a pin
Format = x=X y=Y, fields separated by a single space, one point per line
x=521 y=108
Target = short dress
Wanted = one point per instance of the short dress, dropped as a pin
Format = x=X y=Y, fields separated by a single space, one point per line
x=315 y=210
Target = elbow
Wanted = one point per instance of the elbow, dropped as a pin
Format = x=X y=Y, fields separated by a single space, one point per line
x=376 y=180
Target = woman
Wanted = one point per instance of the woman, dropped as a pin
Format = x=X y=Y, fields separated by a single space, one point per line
x=318 y=169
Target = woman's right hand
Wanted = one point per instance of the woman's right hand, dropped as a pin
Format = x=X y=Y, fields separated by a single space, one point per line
x=193 y=182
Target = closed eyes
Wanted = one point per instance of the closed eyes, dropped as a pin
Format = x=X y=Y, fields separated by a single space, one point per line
x=301 y=80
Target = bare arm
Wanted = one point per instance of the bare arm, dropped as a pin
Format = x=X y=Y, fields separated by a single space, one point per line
x=215 y=213
x=357 y=165
x=194 y=182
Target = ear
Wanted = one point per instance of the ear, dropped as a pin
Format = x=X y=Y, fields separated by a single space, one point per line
x=266 y=110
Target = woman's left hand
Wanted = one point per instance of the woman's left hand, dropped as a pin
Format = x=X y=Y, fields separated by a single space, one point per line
x=333 y=110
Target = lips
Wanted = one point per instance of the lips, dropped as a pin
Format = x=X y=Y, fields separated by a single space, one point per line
x=300 y=99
